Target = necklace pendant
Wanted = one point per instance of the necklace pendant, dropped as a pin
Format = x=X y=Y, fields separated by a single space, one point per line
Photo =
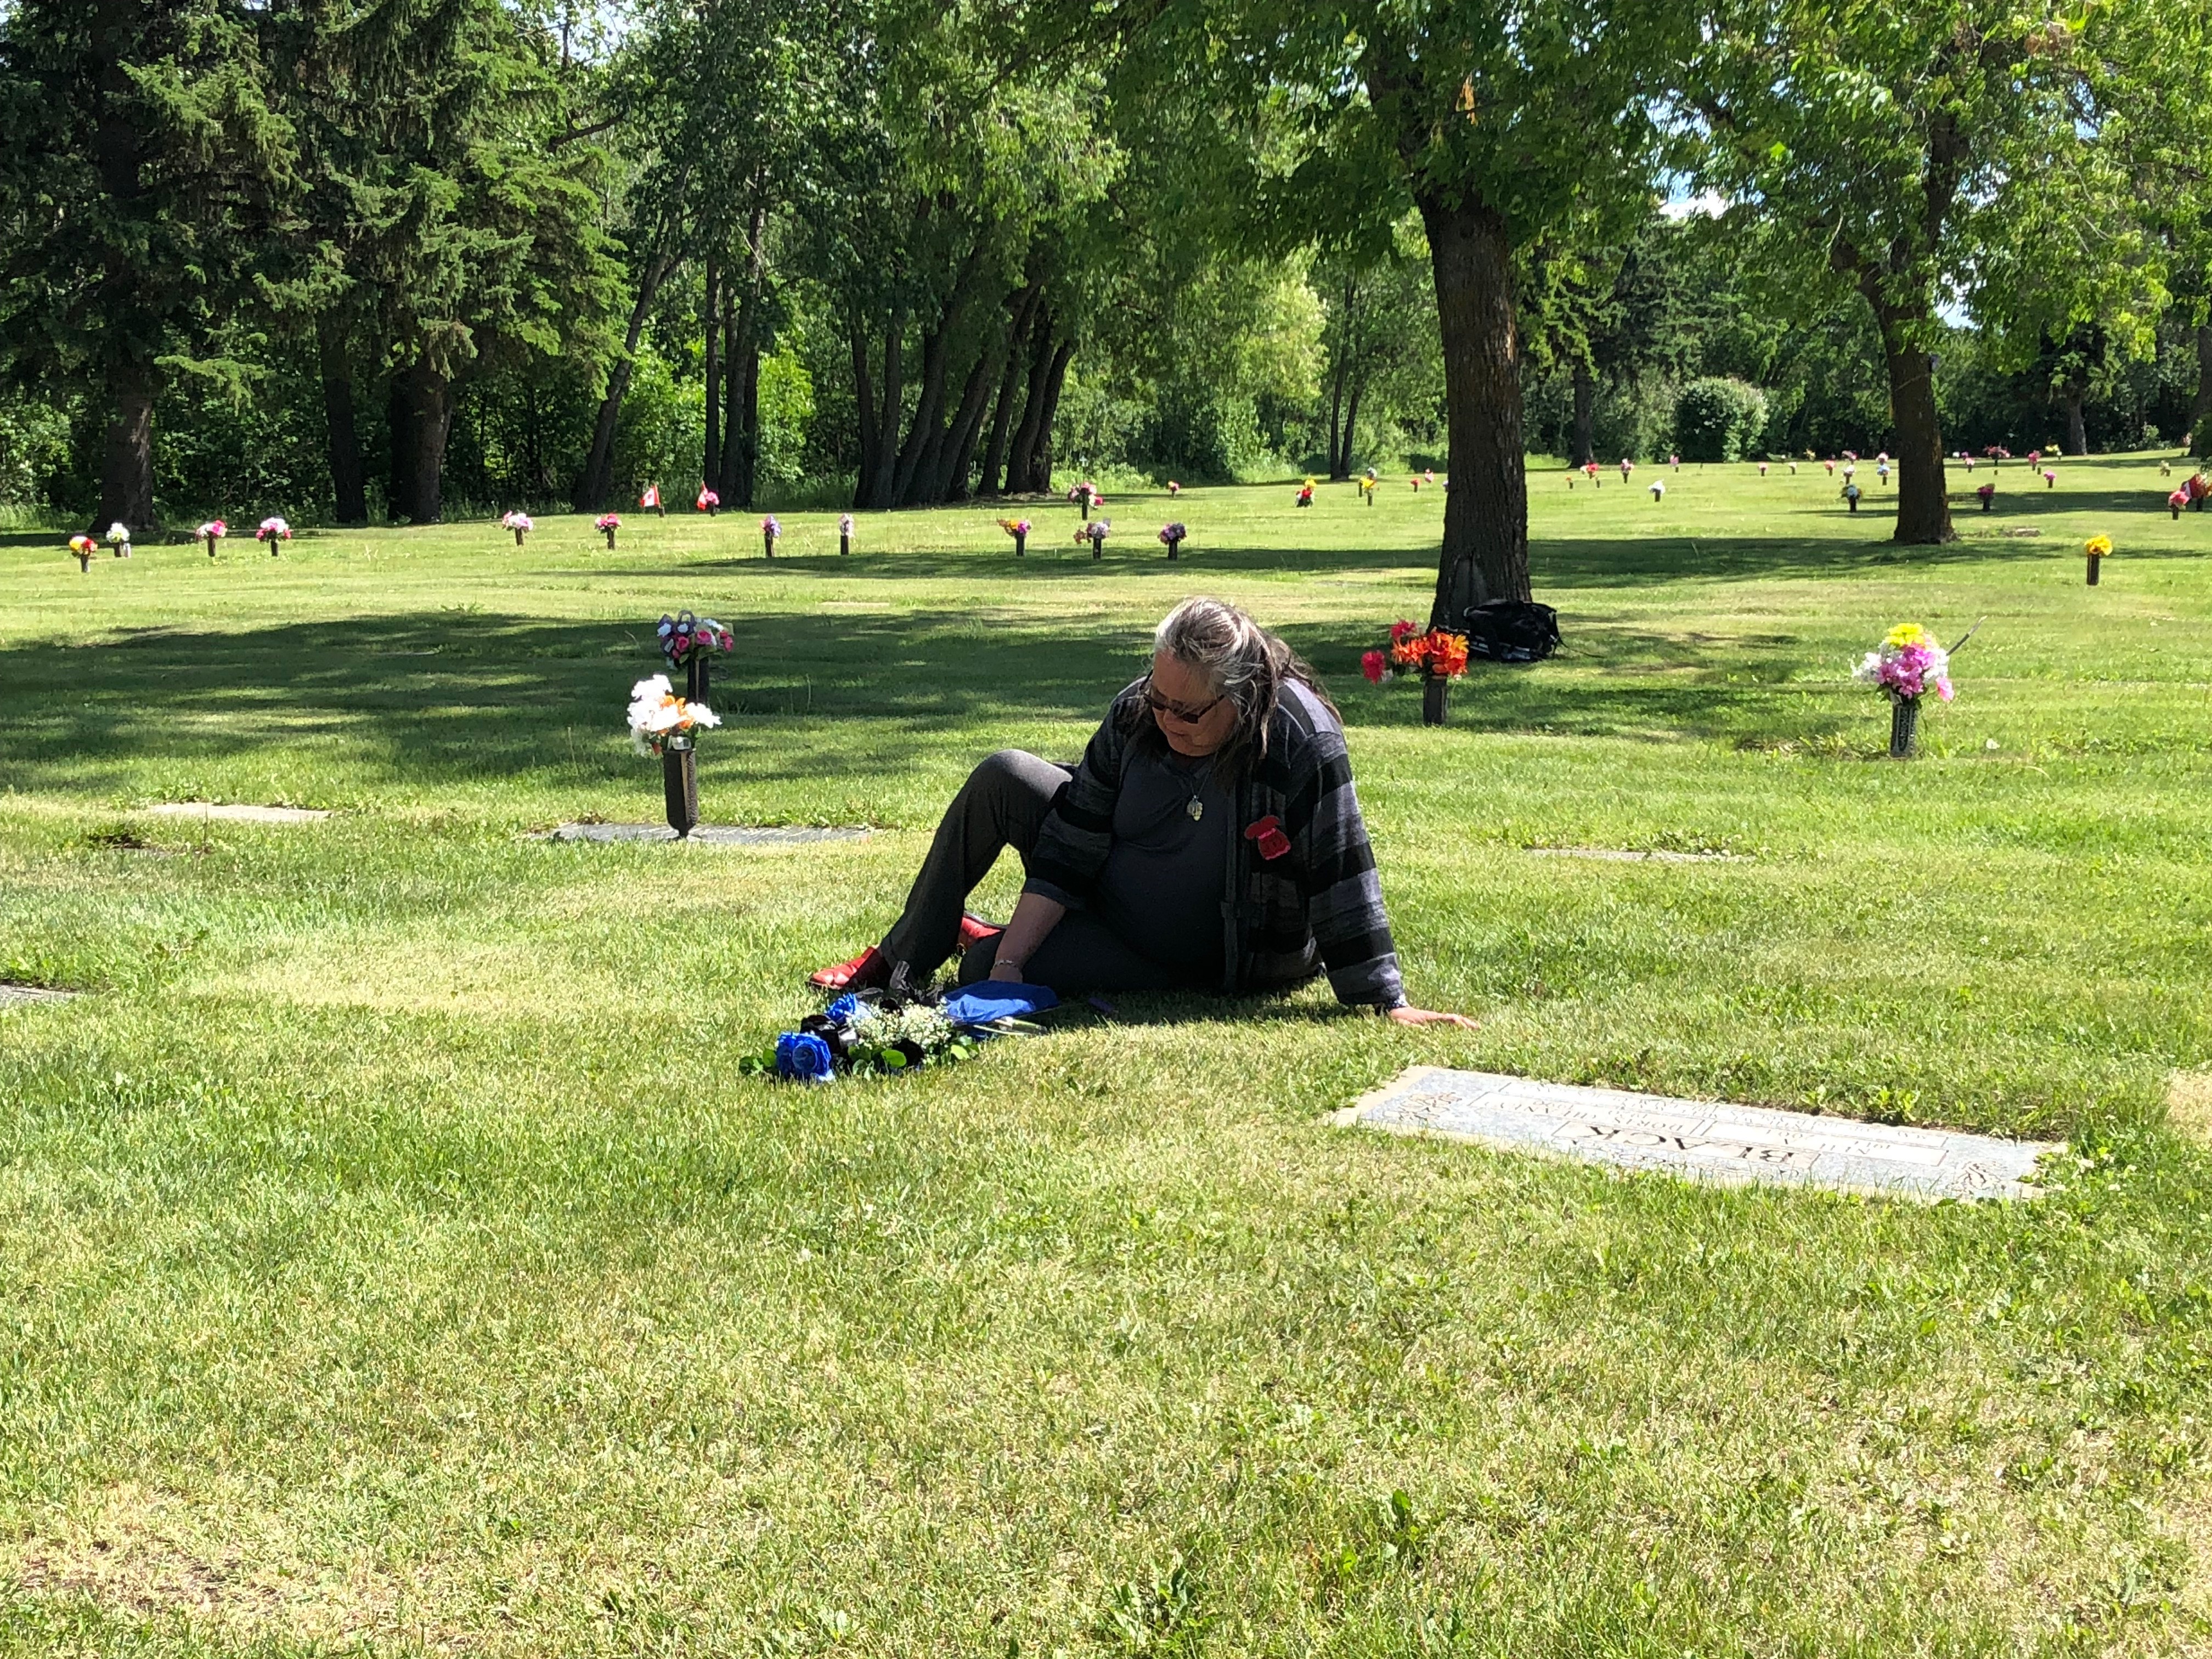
x=1196 y=808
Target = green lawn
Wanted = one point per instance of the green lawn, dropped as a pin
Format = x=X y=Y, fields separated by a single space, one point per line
x=391 y=1255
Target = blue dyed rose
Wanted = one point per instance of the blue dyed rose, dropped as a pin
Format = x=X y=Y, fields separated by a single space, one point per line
x=841 y=1012
x=803 y=1058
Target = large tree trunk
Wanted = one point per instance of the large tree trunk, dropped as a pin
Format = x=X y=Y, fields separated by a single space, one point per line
x=710 y=454
x=864 y=405
x=1026 y=435
x=1923 y=505
x=927 y=424
x=1351 y=426
x=1486 y=547
x=428 y=400
x=2200 y=416
x=1040 y=475
x=598 y=465
x=399 y=447
x=741 y=363
x=948 y=480
x=126 y=471
x=1026 y=305
x=920 y=456
x=2077 y=429
x=1338 y=453
x=348 y=486
x=1584 y=439
x=881 y=472
x=729 y=481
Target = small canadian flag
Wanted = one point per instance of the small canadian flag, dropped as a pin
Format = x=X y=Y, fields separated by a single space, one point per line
x=652 y=496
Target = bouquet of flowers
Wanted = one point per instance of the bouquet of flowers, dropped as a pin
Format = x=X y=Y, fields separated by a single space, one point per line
x=682 y=634
x=606 y=524
x=1174 y=488
x=1436 y=654
x=660 y=719
x=272 y=531
x=211 y=532
x=520 y=524
x=1095 y=533
x=709 y=501
x=1908 y=664
x=1015 y=527
x=84 y=547
x=119 y=538
x=1085 y=494
x=1173 y=536
x=865 y=1032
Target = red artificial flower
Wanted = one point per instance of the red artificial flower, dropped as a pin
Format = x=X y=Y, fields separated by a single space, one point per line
x=1374 y=665
x=1399 y=630
x=1268 y=832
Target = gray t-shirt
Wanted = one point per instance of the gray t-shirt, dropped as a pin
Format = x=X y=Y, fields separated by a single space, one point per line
x=1161 y=890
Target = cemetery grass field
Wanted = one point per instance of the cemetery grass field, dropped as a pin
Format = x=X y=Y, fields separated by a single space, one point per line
x=393 y=1258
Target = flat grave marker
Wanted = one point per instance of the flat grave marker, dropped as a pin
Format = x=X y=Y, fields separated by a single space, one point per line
x=713 y=834
x=1702 y=1139
x=12 y=995
x=236 y=813
x=1632 y=855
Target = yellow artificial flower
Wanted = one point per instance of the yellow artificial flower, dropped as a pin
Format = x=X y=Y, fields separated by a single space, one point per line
x=2097 y=546
x=1904 y=635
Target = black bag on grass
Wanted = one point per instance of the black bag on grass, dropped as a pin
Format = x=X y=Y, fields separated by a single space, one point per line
x=1512 y=630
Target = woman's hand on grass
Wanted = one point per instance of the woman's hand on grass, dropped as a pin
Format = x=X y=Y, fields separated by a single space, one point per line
x=1407 y=1014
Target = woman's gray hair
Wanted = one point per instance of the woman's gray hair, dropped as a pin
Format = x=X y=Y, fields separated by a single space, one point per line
x=1241 y=661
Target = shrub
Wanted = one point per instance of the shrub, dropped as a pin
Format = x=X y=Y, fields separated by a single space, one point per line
x=1631 y=420
x=1718 y=420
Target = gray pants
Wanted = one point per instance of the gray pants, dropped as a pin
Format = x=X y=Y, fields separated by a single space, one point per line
x=1004 y=804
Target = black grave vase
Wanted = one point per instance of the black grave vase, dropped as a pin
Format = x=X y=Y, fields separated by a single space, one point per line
x=1903 y=727
x=1436 y=701
x=679 y=782
x=697 y=667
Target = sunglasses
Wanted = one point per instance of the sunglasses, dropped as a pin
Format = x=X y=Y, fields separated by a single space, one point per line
x=1183 y=714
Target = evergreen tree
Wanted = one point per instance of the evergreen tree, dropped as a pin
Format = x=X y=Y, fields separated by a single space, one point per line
x=143 y=174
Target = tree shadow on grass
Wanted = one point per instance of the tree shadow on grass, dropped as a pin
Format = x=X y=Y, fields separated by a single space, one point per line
x=441 y=697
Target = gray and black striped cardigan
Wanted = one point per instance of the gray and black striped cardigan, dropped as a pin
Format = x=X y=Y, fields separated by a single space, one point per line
x=1300 y=899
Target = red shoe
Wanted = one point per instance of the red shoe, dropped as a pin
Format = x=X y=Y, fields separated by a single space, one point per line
x=974 y=930
x=870 y=970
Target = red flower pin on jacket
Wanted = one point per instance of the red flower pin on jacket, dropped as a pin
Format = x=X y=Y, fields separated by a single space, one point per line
x=1268 y=832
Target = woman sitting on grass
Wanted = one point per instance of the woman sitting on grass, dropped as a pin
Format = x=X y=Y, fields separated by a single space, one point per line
x=1210 y=839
